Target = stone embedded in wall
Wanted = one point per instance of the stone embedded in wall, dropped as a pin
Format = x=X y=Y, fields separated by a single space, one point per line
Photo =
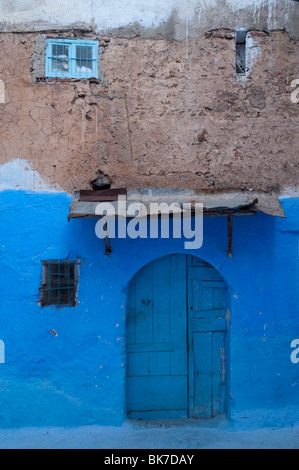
x=202 y=136
x=39 y=57
x=257 y=97
x=221 y=34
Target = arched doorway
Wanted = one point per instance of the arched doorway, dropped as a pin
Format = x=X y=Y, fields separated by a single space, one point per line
x=176 y=331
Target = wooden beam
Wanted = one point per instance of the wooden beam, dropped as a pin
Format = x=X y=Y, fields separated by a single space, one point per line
x=211 y=213
x=99 y=195
x=108 y=249
x=81 y=212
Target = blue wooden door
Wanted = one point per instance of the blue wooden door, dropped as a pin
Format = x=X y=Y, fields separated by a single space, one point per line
x=176 y=330
x=207 y=333
x=157 y=377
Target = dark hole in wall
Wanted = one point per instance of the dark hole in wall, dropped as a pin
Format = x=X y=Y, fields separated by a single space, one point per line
x=241 y=52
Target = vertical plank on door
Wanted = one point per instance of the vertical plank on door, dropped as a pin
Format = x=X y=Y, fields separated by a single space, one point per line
x=178 y=318
x=202 y=361
x=218 y=373
x=131 y=312
x=157 y=379
x=144 y=305
x=206 y=338
x=161 y=308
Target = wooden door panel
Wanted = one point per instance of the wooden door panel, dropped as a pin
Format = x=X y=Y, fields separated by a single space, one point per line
x=160 y=292
x=207 y=296
x=218 y=372
x=208 y=324
x=157 y=393
x=144 y=306
x=207 y=335
x=178 y=361
x=202 y=363
x=157 y=379
x=178 y=300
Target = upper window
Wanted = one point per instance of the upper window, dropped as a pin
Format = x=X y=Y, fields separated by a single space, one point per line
x=241 y=52
x=72 y=58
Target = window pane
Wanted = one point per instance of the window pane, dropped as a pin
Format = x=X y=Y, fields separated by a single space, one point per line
x=60 y=58
x=240 y=58
x=84 y=59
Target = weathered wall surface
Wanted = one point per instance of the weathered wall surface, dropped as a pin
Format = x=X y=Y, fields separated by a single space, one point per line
x=78 y=376
x=165 y=114
x=172 y=19
x=168 y=111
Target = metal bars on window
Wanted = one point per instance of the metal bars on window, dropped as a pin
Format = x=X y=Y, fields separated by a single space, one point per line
x=59 y=283
x=72 y=58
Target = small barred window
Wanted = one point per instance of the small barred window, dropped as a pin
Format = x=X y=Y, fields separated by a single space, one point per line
x=59 y=283
x=72 y=58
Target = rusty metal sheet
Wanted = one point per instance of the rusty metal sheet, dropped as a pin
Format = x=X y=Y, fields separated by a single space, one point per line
x=102 y=194
x=223 y=203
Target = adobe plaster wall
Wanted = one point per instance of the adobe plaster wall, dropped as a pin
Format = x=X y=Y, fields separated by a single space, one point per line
x=164 y=114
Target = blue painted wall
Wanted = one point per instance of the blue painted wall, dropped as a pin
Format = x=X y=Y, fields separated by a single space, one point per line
x=78 y=376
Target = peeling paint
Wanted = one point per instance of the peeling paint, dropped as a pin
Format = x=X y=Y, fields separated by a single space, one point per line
x=18 y=174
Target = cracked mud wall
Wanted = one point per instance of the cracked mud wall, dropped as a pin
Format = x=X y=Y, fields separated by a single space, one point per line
x=168 y=114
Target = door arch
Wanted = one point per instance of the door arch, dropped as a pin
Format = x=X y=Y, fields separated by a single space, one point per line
x=176 y=333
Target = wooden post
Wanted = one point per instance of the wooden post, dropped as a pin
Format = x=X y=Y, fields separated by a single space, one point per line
x=229 y=236
x=108 y=249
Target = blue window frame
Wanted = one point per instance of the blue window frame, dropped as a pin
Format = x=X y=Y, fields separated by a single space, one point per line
x=72 y=58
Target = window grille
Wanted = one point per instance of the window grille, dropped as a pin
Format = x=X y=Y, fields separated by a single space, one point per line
x=72 y=58
x=241 y=52
x=59 y=283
